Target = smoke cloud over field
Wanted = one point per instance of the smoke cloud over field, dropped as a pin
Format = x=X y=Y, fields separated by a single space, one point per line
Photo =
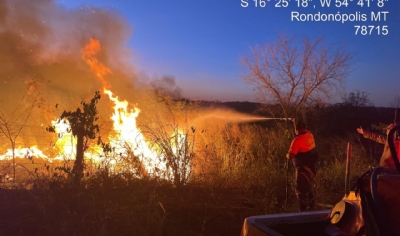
x=42 y=40
x=40 y=51
x=168 y=86
x=41 y=47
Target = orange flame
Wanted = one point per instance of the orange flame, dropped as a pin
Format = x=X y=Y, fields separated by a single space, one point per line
x=89 y=56
x=127 y=134
x=124 y=118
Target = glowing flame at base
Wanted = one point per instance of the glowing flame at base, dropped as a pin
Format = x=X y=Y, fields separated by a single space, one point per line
x=24 y=153
x=128 y=135
x=127 y=138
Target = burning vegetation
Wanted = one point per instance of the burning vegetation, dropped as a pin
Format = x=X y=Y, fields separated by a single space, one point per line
x=41 y=43
x=138 y=155
x=169 y=156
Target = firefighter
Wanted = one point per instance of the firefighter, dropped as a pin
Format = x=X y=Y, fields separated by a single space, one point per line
x=386 y=158
x=304 y=157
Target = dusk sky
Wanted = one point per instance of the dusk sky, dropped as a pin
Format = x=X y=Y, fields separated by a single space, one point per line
x=201 y=43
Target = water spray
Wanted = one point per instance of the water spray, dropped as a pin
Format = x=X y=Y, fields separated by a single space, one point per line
x=286 y=119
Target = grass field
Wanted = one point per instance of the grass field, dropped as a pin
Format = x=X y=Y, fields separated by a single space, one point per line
x=237 y=171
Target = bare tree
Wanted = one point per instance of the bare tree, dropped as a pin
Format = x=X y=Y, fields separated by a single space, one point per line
x=357 y=99
x=295 y=73
x=14 y=122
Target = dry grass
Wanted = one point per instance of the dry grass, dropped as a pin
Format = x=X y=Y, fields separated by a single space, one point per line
x=238 y=171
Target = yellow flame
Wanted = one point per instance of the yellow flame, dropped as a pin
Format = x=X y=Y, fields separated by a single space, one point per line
x=126 y=133
x=23 y=153
x=66 y=143
x=124 y=119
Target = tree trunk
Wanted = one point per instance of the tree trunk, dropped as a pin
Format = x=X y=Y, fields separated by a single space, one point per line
x=77 y=171
x=13 y=159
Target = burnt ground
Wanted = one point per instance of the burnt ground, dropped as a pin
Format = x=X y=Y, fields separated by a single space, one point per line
x=140 y=209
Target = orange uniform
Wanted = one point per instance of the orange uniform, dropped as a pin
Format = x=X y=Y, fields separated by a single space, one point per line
x=302 y=143
x=303 y=148
x=305 y=158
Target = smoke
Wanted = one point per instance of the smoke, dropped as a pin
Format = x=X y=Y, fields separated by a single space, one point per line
x=42 y=41
x=167 y=86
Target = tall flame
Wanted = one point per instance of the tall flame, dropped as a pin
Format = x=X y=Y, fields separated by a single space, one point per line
x=89 y=56
x=127 y=134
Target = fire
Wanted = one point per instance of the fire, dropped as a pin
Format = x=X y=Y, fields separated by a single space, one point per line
x=128 y=135
x=66 y=143
x=89 y=56
x=125 y=133
x=24 y=153
x=124 y=120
